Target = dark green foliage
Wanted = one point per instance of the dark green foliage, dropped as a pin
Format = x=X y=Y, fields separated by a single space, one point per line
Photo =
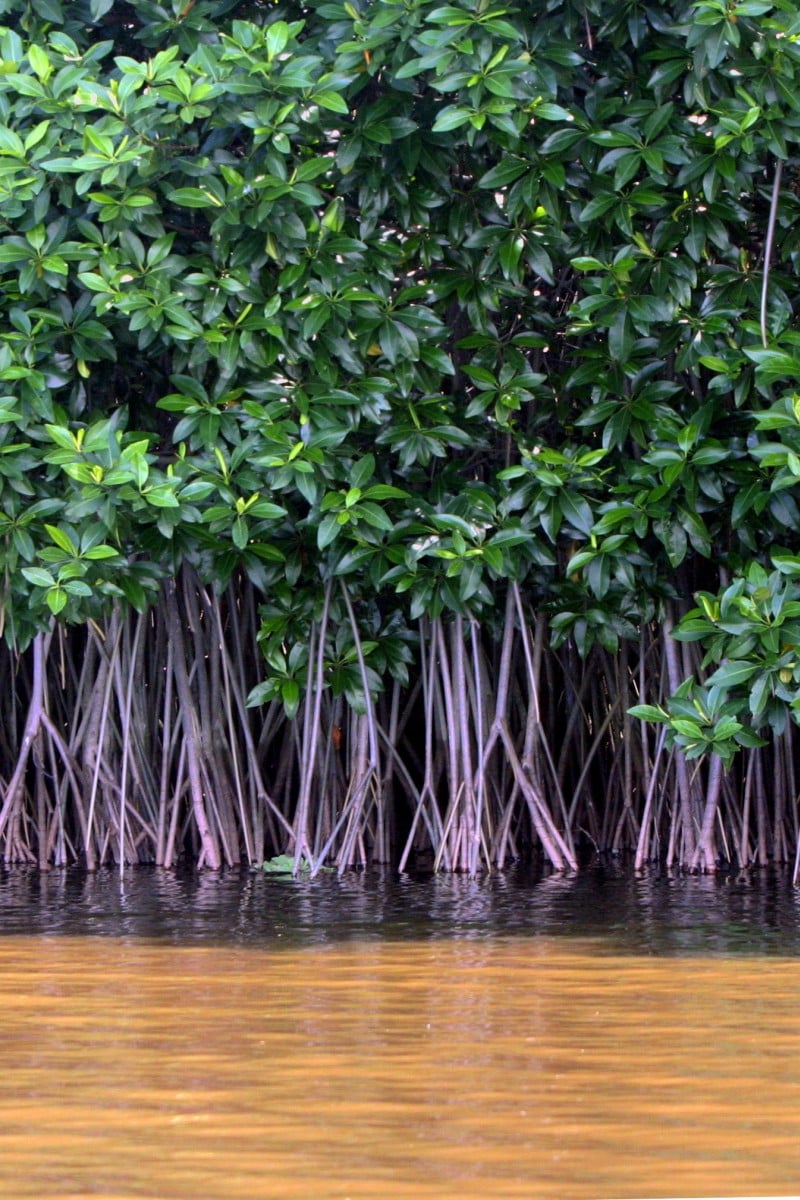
x=387 y=308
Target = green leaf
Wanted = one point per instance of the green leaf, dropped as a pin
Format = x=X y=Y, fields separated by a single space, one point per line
x=328 y=530
x=649 y=712
x=56 y=599
x=504 y=173
x=38 y=576
x=620 y=338
x=577 y=511
x=588 y=263
x=362 y=471
x=40 y=62
x=552 y=112
x=62 y=437
x=161 y=495
x=732 y=673
x=278 y=35
x=194 y=197
x=240 y=532
x=451 y=118
x=62 y=539
x=331 y=100
x=284 y=864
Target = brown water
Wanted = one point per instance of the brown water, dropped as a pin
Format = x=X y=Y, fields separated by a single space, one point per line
x=502 y=1066
x=213 y=1036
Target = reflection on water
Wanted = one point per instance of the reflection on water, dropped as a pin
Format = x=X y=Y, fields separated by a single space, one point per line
x=650 y=915
x=216 y=1037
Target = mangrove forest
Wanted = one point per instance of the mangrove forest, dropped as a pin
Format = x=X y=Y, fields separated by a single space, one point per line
x=399 y=433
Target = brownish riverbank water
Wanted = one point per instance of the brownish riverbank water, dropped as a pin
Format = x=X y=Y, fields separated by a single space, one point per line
x=470 y=1068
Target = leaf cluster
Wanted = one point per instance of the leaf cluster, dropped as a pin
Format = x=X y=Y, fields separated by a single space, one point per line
x=427 y=297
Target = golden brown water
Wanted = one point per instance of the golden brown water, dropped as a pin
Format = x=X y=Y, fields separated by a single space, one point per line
x=505 y=1068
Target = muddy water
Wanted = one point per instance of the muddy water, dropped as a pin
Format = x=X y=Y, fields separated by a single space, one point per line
x=288 y=1057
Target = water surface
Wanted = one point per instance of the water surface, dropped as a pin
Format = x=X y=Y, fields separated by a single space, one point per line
x=224 y=1037
x=655 y=914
